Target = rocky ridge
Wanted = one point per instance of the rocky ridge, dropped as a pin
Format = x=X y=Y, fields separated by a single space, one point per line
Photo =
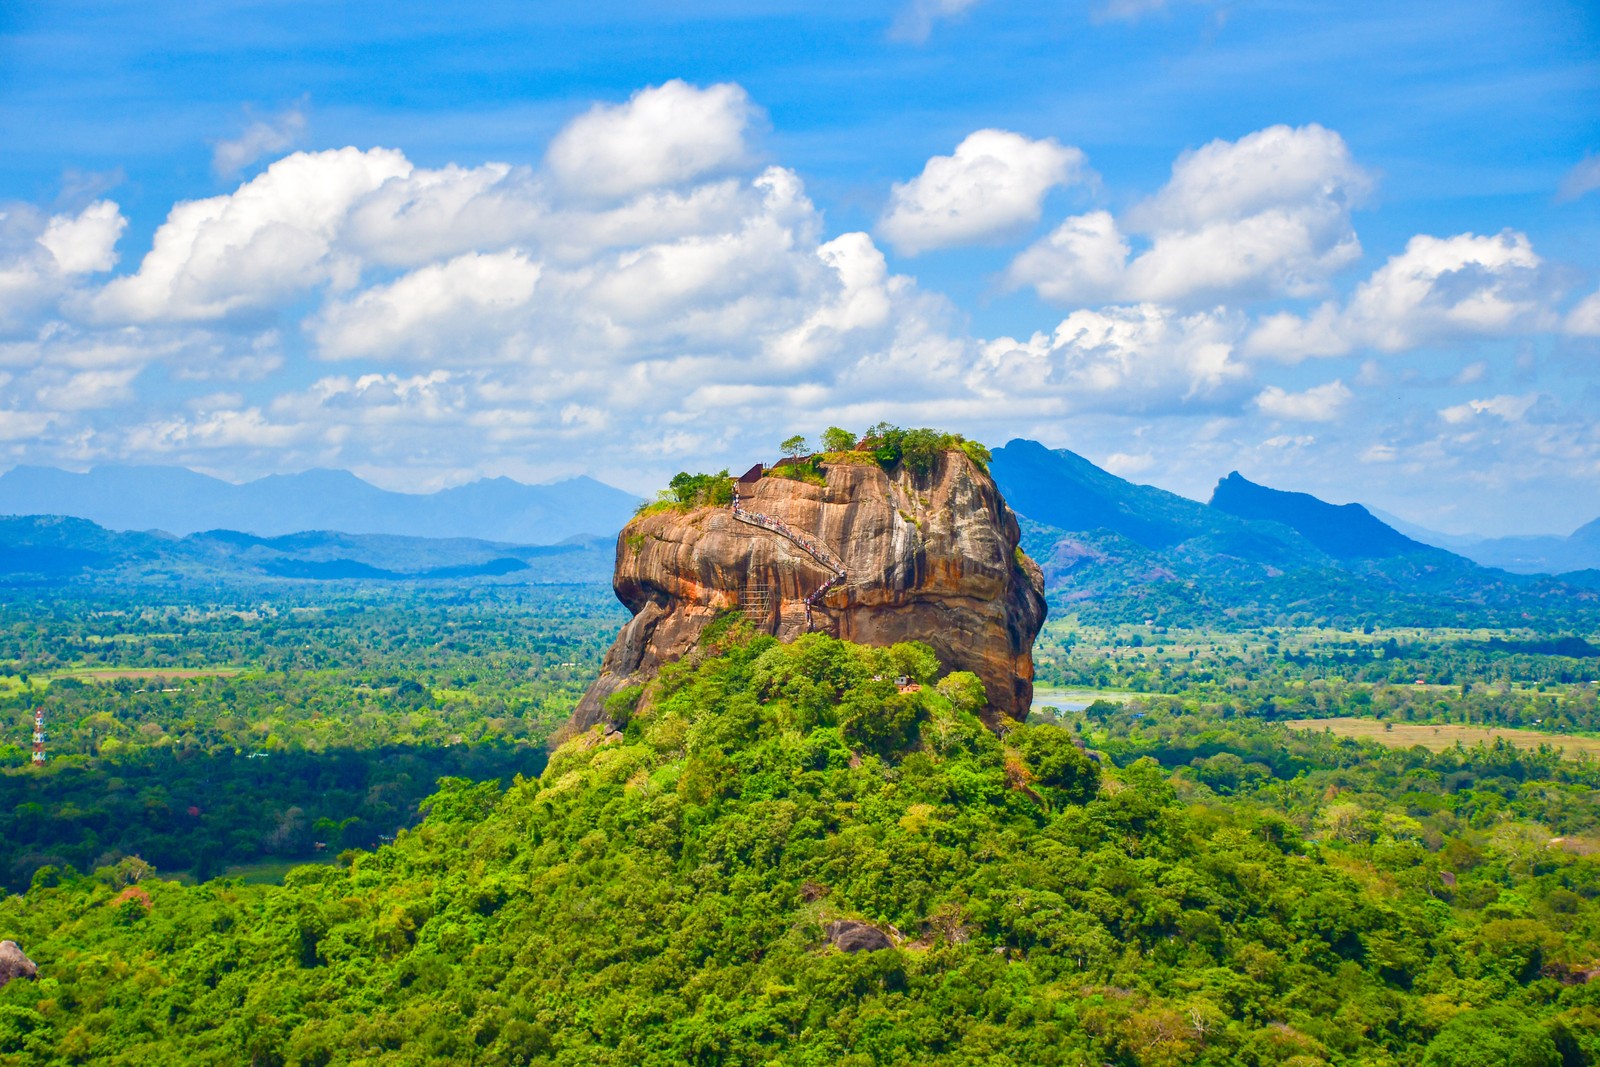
x=929 y=556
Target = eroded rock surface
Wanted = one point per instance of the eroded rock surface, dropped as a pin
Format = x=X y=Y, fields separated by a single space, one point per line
x=929 y=557
x=13 y=964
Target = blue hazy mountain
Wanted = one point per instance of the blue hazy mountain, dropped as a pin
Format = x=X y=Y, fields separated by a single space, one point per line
x=1061 y=490
x=182 y=501
x=1549 y=554
x=48 y=549
x=1113 y=551
x=1343 y=531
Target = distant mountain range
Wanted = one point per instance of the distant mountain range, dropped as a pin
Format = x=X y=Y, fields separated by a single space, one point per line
x=1579 y=550
x=1117 y=550
x=1110 y=549
x=181 y=502
x=44 y=550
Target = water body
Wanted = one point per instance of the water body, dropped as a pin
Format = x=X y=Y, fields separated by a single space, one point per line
x=1075 y=699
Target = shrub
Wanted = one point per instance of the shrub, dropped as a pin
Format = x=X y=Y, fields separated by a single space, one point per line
x=919 y=449
x=701 y=490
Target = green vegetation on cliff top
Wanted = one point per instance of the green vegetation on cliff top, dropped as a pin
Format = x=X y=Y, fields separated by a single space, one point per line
x=887 y=445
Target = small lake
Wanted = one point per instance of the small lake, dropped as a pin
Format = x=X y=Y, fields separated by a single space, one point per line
x=1075 y=699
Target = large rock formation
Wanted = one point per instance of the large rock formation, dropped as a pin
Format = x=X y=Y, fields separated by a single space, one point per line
x=929 y=557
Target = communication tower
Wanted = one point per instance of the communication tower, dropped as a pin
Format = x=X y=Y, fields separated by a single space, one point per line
x=38 y=735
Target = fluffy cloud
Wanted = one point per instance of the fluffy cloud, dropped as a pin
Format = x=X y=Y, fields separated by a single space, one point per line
x=1322 y=403
x=1141 y=358
x=712 y=305
x=1506 y=408
x=260 y=138
x=1268 y=214
x=247 y=430
x=85 y=243
x=666 y=135
x=454 y=311
x=269 y=240
x=420 y=215
x=1437 y=289
x=994 y=183
x=44 y=259
x=1085 y=257
x=422 y=324
x=23 y=425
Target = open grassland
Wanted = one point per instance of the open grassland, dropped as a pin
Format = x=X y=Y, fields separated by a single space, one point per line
x=1436 y=737
x=145 y=674
x=12 y=685
x=267 y=872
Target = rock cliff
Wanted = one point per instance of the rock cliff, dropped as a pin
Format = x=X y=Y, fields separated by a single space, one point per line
x=924 y=556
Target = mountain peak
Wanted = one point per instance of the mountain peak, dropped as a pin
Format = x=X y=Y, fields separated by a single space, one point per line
x=1343 y=531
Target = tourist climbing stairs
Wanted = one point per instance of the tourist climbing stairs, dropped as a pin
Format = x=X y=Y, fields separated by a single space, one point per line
x=813 y=548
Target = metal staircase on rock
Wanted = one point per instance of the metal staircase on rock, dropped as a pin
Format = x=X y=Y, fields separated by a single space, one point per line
x=815 y=549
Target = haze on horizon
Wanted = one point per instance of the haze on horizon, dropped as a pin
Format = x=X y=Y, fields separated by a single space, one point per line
x=1350 y=252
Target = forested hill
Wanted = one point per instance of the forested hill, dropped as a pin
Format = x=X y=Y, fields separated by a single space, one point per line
x=1113 y=550
x=783 y=858
x=1343 y=531
x=182 y=501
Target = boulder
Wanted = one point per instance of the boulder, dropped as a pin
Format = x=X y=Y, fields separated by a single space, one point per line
x=13 y=964
x=847 y=935
x=927 y=556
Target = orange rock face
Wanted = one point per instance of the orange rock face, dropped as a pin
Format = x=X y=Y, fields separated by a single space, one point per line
x=929 y=558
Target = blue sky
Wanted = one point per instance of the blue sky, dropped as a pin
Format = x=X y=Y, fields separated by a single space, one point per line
x=1342 y=248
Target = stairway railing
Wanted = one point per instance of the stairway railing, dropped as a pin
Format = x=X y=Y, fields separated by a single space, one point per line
x=815 y=549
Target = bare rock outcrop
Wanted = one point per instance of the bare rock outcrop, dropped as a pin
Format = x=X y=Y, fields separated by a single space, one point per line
x=928 y=556
x=847 y=935
x=13 y=964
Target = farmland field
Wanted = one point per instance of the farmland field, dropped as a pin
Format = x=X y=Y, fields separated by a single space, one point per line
x=1436 y=737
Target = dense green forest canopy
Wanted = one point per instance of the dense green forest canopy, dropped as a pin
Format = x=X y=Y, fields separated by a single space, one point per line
x=210 y=731
x=663 y=894
x=1407 y=675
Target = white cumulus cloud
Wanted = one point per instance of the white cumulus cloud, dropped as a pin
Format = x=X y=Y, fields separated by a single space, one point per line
x=45 y=260
x=456 y=310
x=85 y=243
x=652 y=296
x=1437 y=289
x=994 y=183
x=1140 y=358
x=422 y=215
x=270 y=239
x=1322 y=403
x=1268 y=214
x=665 y=135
